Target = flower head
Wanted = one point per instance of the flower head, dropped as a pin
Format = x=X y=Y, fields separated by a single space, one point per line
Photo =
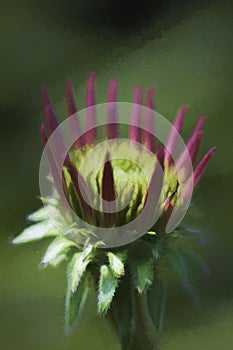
x=110 y=189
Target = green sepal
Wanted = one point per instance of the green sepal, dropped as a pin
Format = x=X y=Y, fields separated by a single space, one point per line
x=75 y=302
x=178 y=266
x=195 y=260
x=158 y=248
x=56 y=251
x=78 y=267
x=40 y=214
x=143 y=274
x=107 y=287
x=124 y=313
x=116 y=263
x=156 y=298
x=180 y=270
x=37 y=231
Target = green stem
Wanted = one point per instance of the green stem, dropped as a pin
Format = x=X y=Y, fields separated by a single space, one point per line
x=133 y=323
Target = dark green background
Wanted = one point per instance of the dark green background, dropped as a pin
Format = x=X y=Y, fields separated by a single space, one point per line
x=186 y=50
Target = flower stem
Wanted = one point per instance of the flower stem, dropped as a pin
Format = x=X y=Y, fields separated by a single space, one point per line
x=132 y=322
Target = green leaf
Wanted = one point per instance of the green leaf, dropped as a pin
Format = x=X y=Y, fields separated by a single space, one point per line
x=143 y=274
x=179 y=267
x=107 y=287
x=78 y=266
x=116 y=262
x=58 y=247
x=75 y=302
x=124 y=313
x=195 y=260
x=37 y=231
x=156 y=298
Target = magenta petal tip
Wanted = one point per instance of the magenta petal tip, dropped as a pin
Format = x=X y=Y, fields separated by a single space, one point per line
x=174 y=133
x=112 y=89
x=70 y=98
x=134 y=127
x=45 y=96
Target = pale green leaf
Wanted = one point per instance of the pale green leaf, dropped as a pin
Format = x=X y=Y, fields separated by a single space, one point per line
x=39 y=215
x=78 y=266
x=107 y=288
x=116 y=262
x=58 y=260
x=75 y=302
x=37 y=231
x=59 y=246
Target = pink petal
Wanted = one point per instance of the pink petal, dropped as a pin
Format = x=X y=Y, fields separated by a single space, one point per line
x=148 y=137
x=134 y=127
x=73 y=122
x=52 y=162
x=45 y=96
x=112 y=131
x=90 y=115
x=197 y=174
x=200 y=169
x=174 y=133
x=191 y=150
x=58 y=146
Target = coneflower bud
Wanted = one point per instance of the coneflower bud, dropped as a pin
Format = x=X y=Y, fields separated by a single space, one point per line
x=111 y=184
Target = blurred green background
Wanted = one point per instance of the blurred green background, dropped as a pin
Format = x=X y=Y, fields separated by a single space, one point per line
x=186 y=50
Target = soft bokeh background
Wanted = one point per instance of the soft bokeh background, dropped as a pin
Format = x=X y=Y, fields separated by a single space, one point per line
x=186 y=50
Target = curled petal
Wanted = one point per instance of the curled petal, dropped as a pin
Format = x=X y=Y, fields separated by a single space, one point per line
x=71 y=107
x=51 y=120
x=112 y=132
x=134 y=127
x=191 y=151
x=45 y=96
x=91 y=113
x=200 y=169
x=160 y=154
x=52 y=163
x=197 y=174
x=200 y=123
x=195 y=145
x=196 y=134
x=43 y=134
x=58 y=144
x=174 y=133
x=148 y=137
